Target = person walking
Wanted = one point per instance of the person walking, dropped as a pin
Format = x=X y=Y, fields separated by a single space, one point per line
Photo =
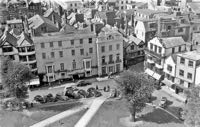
x=108 y=88
x=97 y=87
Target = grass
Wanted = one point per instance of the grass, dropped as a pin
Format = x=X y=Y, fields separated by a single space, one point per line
x=25 y=119
x=111 y=112
x=69 y=121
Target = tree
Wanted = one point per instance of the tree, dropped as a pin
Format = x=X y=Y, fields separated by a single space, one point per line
x=14 y=78
x=136 y=89
x=192 y=110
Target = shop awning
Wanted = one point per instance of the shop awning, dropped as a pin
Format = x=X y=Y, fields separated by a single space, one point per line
x=156 y=76
x=167 y=82
x=33 y=82
x=149 y=72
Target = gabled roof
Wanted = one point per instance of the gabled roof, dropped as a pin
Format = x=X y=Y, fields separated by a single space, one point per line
x=171 y=42
x=7 y=37
x=37 y=20
x=23 y=37
x=193 y=55
x=48 y=12
x=136 y=40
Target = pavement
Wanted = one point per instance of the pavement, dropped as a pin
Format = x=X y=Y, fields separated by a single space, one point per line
x=67 y=113
x=86 y=118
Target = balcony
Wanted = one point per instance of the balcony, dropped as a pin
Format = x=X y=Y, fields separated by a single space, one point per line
x=104 y=63
x=111 y=62
x=159 y=66
x=26 y=53
x=118 y=61
x=150 y=52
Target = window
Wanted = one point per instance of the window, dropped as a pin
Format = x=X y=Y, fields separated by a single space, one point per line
x=60 y=43
x=103 y=59
x=182 y=61
x=42 y=45
x=62 y=67
x=50 y=44
x=118 y=57
x=173 y=50
x=179 y=48
x=81 y=41
x=74 y=64
x=102 y=48
x=190 y=63
x=181 y=81
x=43 y=55
x=132 y=47
x=82 y=51
x=73 y=52
x=189 y=76
x=61 y=53
x=90 y=40
x=71 y=5
x=7 y=49
x=110 y=47
x=72 y=42
x=180 y=30
x=49 y=68
x=169 y=68
x=52 y=55
x=122 y=7
x=75 y=4
x=118 y=46
x=87 y=64
x=110 y=58
x=152 y=25
x=155 y=48
x=151 y=46
x=159 y=49
x=168 y=27
x=90 y=50
x=181 y=72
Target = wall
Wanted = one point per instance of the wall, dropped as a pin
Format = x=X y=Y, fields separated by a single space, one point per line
x=197 y=76
x=169 y=61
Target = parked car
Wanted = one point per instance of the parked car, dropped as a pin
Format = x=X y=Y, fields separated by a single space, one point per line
x=82 y=93
x=83 y=83
x=97 y=94
x=163 y=102
x=91 y=89
x=181 y=114
x=48 y=98
x=39 y=99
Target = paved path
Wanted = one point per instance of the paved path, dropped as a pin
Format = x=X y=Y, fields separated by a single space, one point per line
x=60 y=116
x=85 y=119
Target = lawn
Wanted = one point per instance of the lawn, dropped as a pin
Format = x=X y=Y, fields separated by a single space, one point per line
x=111 y=112
x=25 y=119
x=69 y=121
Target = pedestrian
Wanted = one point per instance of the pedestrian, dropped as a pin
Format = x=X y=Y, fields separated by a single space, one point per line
x=186 y=101
x=104 y=89
x=108 y=88
x=97 y=87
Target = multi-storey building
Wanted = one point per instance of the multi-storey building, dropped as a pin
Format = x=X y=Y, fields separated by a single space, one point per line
x=157 y=51
x=65 y=54
x=133 y=50
x=109 y=51
x=187 y=70
x=19 y=49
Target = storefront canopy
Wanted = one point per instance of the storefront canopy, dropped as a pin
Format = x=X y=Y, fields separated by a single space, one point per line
x=33 y=82
x=149 y=72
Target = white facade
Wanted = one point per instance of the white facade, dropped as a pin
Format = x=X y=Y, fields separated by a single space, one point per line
x=109 y=51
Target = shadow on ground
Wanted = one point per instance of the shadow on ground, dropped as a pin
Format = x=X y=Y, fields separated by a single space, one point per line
x=159 y=116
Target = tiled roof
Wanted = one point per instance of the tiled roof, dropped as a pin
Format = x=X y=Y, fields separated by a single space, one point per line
x=147 y=11
x=136 y=40
x=23 y=37
x=37 y=20
x=194 y=55
x=7 y=37
x=195 y=6
x=48 y=12
x=170 y=42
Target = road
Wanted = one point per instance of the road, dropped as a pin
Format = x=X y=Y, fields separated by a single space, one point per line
x=55 y=90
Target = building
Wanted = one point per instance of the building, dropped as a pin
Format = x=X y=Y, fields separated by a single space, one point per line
x=66 y=54
x=137 y=5
x=20 y=49
x=195 y=41
x=15 y=24
x=121 y=4
x=109 y=51
x=187 y=70
x=39 y=24
x=133 y=50
x=106 y=17
x=158 y=49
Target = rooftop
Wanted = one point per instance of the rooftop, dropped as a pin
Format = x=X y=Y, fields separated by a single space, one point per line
x=170 y=42
x=193 y=55
x=136 y=40
x=14 y=21
x=195 y=6
x=148 y=11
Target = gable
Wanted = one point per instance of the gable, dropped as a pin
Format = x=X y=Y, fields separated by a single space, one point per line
x=25 y=43
x=140 y=26
x=170 y=61
x=156 y=41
